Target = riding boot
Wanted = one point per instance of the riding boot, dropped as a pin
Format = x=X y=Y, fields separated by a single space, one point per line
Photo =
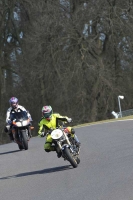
x=78 y=144
x=11 y=136
x=59 y=153
x=29 y=132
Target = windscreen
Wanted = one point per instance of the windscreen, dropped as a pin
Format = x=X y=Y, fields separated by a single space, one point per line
x=18 y=116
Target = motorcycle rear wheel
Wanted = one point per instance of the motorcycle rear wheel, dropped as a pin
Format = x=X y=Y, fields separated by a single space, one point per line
x=70 y=158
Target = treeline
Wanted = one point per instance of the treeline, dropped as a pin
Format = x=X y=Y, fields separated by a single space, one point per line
x=74 y=55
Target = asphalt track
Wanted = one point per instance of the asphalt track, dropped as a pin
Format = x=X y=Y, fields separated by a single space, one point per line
x=105 y=171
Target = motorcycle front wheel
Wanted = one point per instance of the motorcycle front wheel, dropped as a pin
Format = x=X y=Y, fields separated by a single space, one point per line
x=24 y=139
x=70 y=158
x=20 y=147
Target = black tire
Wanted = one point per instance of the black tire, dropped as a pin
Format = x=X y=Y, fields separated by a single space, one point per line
x=19 y=141
x=24 y=139
x=70 y=158
x=20 y=147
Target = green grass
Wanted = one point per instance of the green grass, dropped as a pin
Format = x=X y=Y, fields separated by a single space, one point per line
x=104 y=121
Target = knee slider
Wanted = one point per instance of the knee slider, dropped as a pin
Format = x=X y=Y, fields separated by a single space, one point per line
x=72 y=131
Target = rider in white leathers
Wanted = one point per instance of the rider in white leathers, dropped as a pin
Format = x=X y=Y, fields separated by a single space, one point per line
x=14 y=106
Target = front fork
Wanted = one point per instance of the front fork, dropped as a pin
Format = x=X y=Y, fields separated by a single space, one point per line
x=65 y=146
x=68 y=145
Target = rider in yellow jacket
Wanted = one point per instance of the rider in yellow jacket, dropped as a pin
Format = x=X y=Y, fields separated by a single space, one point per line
x=51 y=121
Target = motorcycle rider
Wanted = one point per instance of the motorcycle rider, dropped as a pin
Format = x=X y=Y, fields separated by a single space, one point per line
x=14 y=106
x=49 y=121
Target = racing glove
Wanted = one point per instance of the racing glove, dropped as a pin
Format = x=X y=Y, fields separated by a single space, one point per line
x=42 y=134
x=9 y=122
x=69 y=120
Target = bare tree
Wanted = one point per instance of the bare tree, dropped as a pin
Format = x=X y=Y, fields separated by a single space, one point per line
x=81 y=69
x=73 y=55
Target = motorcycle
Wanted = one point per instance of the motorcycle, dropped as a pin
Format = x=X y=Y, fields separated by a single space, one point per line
x=65 y=146
x=20 y=128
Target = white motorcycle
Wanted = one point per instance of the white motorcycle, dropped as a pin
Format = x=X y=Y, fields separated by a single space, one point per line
x=65 y=146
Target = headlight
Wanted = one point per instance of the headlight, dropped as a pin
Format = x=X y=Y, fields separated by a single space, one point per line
x=24 y=123
x=56 y=134
x=18 y=124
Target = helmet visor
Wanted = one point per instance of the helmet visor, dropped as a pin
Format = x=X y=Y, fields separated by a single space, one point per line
x=47 y=115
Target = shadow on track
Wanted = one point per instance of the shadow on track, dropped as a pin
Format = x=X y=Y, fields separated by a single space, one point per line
x=8 y=152
x=44 y=171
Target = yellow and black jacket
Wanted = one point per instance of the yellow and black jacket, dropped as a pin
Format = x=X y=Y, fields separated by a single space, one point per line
x=52 y=124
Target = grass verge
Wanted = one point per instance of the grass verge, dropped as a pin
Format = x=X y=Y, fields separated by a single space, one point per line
x=104 y=121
